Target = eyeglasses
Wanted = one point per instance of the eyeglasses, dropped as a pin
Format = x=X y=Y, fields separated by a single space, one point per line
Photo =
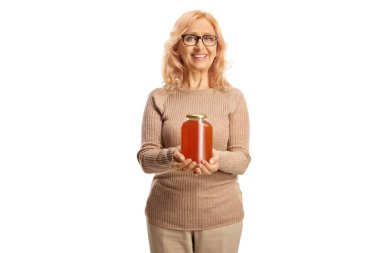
x=192 y=40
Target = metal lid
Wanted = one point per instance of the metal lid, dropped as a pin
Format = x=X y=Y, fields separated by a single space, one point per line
x=196 y=116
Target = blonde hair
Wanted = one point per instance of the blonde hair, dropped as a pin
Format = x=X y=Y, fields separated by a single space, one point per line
x=173 y=68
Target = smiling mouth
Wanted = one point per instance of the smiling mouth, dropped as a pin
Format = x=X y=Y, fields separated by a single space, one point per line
x=199 y=56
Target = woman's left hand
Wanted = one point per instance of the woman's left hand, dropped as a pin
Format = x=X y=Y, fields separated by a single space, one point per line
x=207 y=168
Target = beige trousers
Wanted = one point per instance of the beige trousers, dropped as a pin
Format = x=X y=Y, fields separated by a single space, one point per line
x=218 y=240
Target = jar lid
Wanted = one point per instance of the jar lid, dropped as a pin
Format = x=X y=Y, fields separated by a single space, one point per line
x=196 y=116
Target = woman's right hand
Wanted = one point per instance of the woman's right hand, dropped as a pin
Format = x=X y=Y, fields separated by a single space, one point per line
x=180 y=163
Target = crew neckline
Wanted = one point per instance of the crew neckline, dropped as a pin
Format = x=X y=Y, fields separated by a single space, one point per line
x=192 y=91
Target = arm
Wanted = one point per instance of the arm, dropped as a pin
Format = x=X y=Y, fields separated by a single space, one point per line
x=236 y=159
x=151 y=156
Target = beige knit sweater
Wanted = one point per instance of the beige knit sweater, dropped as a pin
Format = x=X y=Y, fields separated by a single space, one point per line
x=179 y=200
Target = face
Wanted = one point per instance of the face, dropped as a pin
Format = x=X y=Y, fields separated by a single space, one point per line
x=198 y=58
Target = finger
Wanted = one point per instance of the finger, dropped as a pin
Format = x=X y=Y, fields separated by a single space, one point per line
x=205 y=163
x=189 y=167
x=181 y=165
x=211 y=167
x=197 y=171
x=178 y=156
x=215 y=155
x=204 y=170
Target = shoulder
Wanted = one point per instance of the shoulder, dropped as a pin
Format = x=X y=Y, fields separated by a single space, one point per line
x=159 y=93
x=156 y=92
x=234 y=93
x=235 y=98
x=158 y=97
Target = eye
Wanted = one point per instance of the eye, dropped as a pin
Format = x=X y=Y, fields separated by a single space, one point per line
x=209 y=38
x=190 y=38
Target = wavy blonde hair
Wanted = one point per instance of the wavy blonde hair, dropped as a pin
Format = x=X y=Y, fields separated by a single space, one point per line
x=173 y=67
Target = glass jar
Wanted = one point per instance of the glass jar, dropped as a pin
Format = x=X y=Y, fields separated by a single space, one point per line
x=196 y=138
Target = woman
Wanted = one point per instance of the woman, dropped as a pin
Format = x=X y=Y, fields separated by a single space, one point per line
x=194 y=207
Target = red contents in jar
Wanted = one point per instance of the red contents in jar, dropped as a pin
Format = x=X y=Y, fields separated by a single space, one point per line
x=196 y=138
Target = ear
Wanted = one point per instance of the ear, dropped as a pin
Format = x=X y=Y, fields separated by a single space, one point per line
x=176 y=47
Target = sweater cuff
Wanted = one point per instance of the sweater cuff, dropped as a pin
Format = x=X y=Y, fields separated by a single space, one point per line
x=234 y=162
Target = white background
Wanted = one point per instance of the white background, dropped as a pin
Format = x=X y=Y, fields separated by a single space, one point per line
x=74 y=79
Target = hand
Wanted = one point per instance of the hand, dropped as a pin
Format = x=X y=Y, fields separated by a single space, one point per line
x=207 y=168
x=180 y=163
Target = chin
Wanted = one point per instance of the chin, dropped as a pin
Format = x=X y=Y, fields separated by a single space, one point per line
x=200 y=68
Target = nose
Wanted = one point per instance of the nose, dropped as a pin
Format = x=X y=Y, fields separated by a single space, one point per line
x=199 y=44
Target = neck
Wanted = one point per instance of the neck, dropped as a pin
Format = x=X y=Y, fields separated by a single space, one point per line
x=196 y=81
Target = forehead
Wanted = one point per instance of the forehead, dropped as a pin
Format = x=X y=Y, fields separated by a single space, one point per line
x=201 y=26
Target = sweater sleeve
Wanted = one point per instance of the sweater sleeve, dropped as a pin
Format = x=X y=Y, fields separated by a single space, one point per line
x=152 y=157
x=236 y=159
